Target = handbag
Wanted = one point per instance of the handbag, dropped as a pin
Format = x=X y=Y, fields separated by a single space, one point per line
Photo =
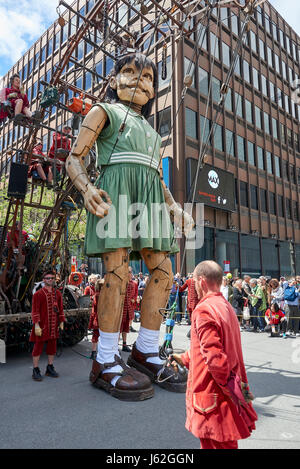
x=246 y=313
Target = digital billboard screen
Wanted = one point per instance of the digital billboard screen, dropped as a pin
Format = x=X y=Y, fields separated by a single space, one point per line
x=214 y=187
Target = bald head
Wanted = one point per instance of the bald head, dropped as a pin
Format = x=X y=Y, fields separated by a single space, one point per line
x=211 y=271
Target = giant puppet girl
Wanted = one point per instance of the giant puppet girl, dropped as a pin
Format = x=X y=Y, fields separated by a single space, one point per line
x=130 y=182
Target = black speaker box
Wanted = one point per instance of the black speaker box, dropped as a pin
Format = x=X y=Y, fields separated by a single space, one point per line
x=17 y=186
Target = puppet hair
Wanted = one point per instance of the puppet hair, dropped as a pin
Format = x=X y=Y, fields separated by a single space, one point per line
x=140 y=61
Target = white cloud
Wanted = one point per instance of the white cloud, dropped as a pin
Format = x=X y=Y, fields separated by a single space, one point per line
x=22 y=23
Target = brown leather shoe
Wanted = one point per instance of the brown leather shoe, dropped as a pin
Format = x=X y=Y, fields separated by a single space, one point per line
x=167 y=377
x=132 y=385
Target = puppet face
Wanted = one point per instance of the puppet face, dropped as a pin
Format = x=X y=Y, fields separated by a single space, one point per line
x=16 y=83
x=132 y=85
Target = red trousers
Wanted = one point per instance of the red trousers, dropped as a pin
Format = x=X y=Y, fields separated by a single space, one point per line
x=96 y=335
x=39 y=346
x=207 y=443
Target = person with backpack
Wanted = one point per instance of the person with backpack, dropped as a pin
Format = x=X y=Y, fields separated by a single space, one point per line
x=291 y=302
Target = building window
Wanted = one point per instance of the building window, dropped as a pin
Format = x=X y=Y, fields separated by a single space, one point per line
x=295 y=210
x=241 y=148
x=251 y=154
x=275 y=128
x=214 y=46
x=280 y=206
x=262 y=51
x=269 y=162
x=260 y=158
x=246 y=71
x=164 y=122
x=216 y=87
x=258 y=117
x=204 y=129
x=254 y=200
x=218 y=138
x=263 y=200
x=253 y=41
x=249 y=111
x=244 y=194
x=229 y=142
x=264 y=86
x=288 y=208
x=255 y=79
x=272 y=203
x=238 y=105
x=277 y=167
x=203 y=81
x=191 y=126
x=226 y=53
x=267 y=123
x=228 y=100
x=234 y=24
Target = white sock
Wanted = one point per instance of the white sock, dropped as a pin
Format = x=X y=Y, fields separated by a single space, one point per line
x=148 y=342
x=107 y=349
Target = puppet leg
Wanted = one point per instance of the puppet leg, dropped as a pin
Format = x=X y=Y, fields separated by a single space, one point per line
x=145 y=352
x=109 y=372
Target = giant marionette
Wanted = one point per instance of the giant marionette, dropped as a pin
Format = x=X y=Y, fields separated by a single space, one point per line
x=130 y=182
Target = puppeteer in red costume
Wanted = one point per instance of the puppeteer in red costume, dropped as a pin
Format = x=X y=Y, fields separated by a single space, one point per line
x=47 y=317
x=218 y=406
x=128 y=310
x=61 y=145
x=192 y=297
x=38 y=168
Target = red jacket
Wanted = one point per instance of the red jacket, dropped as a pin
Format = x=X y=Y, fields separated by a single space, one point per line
x=215 y=352
x=47 y=310
x=192 y=298
x=275 y=317
x=62 y=141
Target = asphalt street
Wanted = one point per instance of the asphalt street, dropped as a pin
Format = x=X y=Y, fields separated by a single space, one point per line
x=70 y=413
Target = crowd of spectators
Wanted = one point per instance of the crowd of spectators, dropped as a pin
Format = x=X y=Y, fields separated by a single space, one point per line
x=261 y=304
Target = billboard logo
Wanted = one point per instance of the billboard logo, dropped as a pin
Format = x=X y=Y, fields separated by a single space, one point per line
x=213 y=179
x=2 y=352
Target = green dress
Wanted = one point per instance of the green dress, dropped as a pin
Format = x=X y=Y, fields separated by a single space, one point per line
x=129 y=164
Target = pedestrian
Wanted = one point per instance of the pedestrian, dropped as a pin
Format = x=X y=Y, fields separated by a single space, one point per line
x=93 y=322
x=47 y=317
x=218 y=400
x=192 y=298
x=257 y=301
x=275 y=317
x=90 y=288
x=291 y=303
x=238 y=299
x=275 y=293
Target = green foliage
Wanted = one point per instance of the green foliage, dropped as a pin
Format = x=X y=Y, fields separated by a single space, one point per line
x=34 y=219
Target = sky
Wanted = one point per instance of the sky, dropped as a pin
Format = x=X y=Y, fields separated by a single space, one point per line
x=22 y=22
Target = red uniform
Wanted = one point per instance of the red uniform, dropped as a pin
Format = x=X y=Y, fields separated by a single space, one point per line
x=128 y=310
x=90 y=290
x=93 y=323
x=25 y=237
x=216 y=353
x=192 y=299
x=20 y=95
x=34 y=163
x=47 y=310
x=273 y=317
x=59 y=141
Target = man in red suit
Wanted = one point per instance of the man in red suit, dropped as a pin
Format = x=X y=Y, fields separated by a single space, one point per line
x=128 y=310
x=218 y=400
x=47 y=317
x=192 y=298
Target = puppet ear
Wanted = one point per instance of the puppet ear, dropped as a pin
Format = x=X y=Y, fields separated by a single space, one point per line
x=113 y=83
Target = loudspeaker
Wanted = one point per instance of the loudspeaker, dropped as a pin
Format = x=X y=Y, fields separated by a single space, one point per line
x=17 y=186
